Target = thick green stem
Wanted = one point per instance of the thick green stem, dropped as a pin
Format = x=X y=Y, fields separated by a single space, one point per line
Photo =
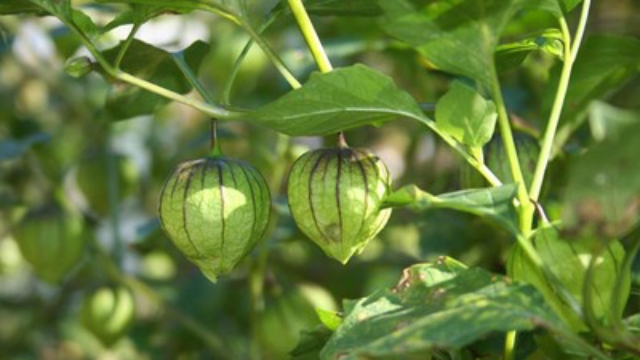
x=525 y=206
x=310 y=35
x=570 y=53
x=510 y=345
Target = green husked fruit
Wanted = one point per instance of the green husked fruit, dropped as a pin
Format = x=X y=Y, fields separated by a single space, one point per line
x=93 y=180
x=108 y=313
x=335 y=197
x=215 y=210
x=497 y=160
x=52 y=241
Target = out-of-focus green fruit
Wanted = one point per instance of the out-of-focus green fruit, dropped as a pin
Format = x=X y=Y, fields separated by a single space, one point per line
x=215 y=210
x=78 y=66
x=335 y=196
x=52 y=240
x=93 y=180
x=108 y=313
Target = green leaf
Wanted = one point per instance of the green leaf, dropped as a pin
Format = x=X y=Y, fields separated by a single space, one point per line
x=495 y=203
x=457 y=36
x=466 y=115
x=441 y=306
x=311 y=343
x=343 y=8
x=63 y=10
x=608 y=122
x=604 y=63
x=603 y=188
x=11 y=7
x=568 y=261
x=511 y=55
x=342 y=99
x=155 y=65
x=330 y=319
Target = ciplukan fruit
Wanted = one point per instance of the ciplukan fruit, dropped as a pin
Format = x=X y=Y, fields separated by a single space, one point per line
x=52 y=240
x=335 y=196
x=215 y=210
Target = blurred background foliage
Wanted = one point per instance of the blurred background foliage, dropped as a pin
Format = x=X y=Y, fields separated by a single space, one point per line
x=60 y=140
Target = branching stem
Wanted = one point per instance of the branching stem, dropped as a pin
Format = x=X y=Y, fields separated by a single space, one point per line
x=310 y=35
x=570 y=53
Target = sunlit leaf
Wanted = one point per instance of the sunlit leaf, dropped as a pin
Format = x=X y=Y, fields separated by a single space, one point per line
x=336 y=101
x=466 y=115
x=495 y=203
x=440 y=305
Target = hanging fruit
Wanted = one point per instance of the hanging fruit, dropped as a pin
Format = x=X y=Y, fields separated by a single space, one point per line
x=335 y=196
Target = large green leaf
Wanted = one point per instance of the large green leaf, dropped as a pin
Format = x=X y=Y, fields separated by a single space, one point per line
x=156 y=66
x=441 y=305
x=456 y=36
x=604 y=63
x=466 y=115
x=495 y=203
x=336 y=101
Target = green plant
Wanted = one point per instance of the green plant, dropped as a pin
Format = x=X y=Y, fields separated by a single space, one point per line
x=551 y=273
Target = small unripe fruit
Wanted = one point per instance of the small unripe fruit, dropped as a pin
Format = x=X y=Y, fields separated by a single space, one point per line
x=52 y=240
x=215 y=210
x=108 y=313
x=78 y=66
x=335 y=197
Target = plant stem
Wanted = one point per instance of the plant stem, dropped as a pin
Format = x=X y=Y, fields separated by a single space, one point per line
x=226 y=93
x=114 y=202
x=457 y=147
x=512 y=153
x=126 y=45
x=570 y=53
x=209 y=109
x=510 y=345
x=310 y=35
